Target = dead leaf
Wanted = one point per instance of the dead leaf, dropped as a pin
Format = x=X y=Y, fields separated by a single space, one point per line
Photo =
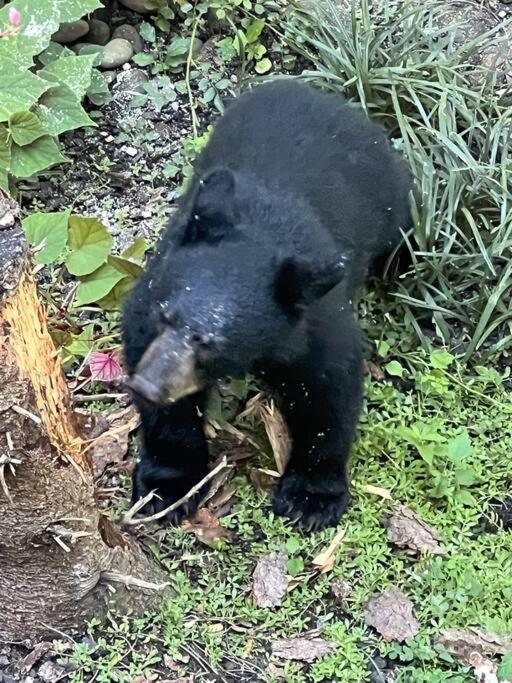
x=269 y=580
x=378 y=491
x=326 y=559
x=376 y=372
x=171 y=664
x=302 y=649
x=219 y=502
x=33 y=657
x=341 y=590
x=390 y=613
x=407 y=530
x=111 y=446
x=463 y=644
x=277 y=433
x=207 y=529
x=263 y=479
x=484 y=669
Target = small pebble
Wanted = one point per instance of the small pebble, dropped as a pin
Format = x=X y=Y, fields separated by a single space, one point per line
x=131 y=151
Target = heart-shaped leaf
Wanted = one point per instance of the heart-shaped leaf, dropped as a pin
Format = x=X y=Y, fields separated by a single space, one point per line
x=90 y=243
x=49 y=231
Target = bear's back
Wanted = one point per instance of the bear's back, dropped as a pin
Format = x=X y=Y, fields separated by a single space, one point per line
x=322 y=149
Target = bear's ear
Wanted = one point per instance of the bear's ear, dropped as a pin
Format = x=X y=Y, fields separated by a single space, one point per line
x=300 y=282
x=213 y=211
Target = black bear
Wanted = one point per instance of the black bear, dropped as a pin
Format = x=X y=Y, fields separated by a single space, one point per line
x=294 y=196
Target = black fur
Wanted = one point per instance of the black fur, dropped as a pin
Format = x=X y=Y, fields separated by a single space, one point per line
x=293 y=198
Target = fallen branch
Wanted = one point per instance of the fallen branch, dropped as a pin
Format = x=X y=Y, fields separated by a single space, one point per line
x=104 y=398
x=127 y=580
x=128 y=518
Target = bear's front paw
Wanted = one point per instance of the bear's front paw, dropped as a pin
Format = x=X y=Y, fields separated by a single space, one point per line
x=312 y=509
x=169 y=484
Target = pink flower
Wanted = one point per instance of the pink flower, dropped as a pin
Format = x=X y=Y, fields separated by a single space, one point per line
x=14 y=17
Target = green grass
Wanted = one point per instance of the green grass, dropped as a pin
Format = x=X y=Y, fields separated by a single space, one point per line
x=213 y=629
x=411 y=77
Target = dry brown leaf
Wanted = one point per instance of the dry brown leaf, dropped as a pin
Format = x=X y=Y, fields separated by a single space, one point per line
x=302 y=649
x=378 y=491
x=206 y=527
x=111 y=446
x=33 y=657
x=407 y=530
x=326 y=559
x=269 y=580
x=277 y=433
x=390 y=613
x=263 y=479
x=462 y=644
x=376 y=372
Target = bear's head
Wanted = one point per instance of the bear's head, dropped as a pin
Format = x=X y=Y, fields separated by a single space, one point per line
x=231 y=289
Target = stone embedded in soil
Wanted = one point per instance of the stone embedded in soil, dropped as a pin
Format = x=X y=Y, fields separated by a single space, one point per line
x=140 y=6
x=70 y=31
x=116 y=53
x=129 y=33
x=130 y=82
x=99 y=32
x=109 y=76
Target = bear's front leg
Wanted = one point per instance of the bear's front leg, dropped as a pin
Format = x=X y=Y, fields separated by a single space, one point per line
x=320 y=401
x=174 y=454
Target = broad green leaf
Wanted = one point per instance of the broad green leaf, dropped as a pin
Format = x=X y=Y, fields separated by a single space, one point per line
x=124 y=266
x=25 y=127
x=441 y=359
x=147 y=31
x=505 y=669
x=49 y=230
x=31 y=159
x=427 y=452
x=19 y=91
x=460 y=447
x=90 y=243
x=254 y=30
x=295 y=565
x=39 y=20
x=466 y=498
x=60 y=110
x=74 y=72
x=383 y=348
x=143 y=59
x=136 y=250
x=394 y=369
x=114 y=299
x=97 y=285
x=465 y=477
x=263 y=66
x=292 y=545
x=5 y=158
x=98 y=92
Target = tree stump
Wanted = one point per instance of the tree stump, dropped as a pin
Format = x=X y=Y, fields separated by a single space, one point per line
x=61 y=561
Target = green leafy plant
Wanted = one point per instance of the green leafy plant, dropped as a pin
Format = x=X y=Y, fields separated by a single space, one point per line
x=453 y=125
x=42 y=86
x=84 y=246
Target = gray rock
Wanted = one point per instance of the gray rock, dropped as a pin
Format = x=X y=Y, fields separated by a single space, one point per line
x=131 y=82
x=116 y=53
x=77 y=47
x=130 y=34
x=50 y=672
x=70 y=31
x=99 y=32
x=140 y=6
x=109 y=76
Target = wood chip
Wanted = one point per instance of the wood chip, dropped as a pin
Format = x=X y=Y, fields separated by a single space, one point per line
x=390 y=613
x=378 y=491
x=407 y=530
x=462 y=644
x=269 y=580
x=302 y=649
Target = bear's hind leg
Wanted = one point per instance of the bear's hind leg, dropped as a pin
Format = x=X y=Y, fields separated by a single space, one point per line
x=173 y=456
